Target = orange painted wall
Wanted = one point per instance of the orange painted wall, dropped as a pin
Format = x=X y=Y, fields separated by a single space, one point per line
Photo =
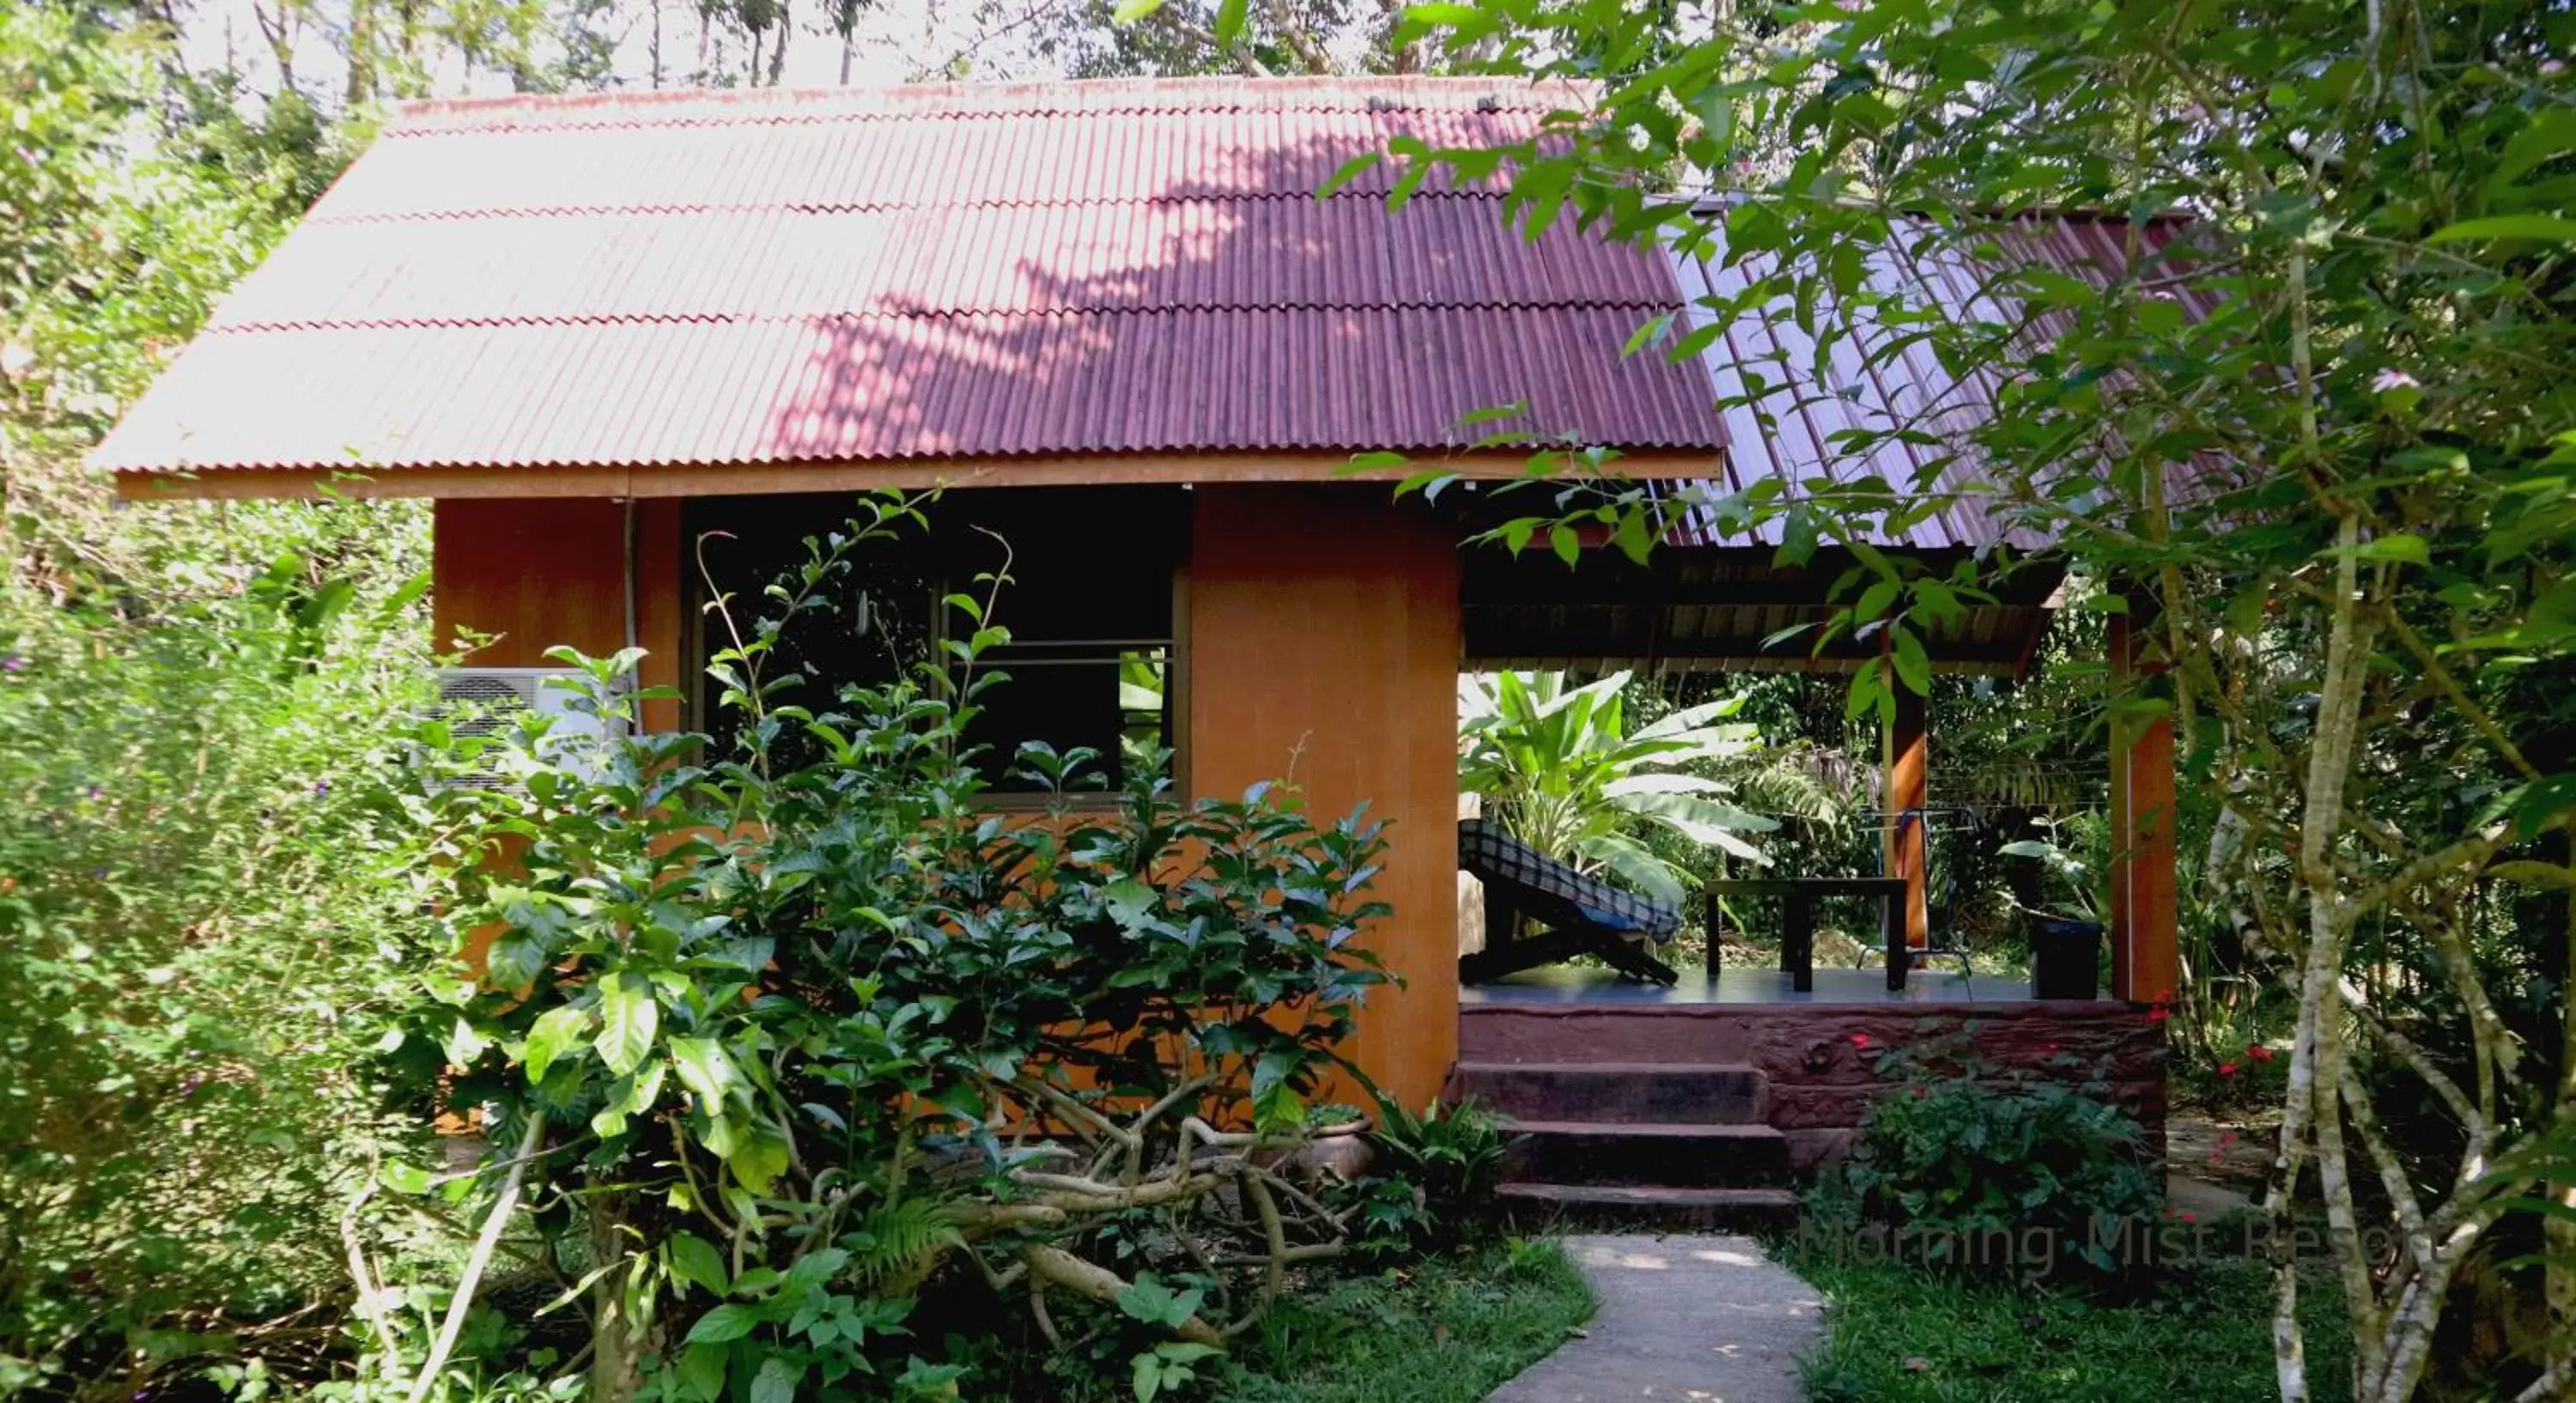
x=1320 y=632
x=1322 y=644
x=544 y=571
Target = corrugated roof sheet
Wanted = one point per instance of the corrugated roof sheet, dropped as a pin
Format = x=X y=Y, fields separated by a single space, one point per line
x=776 y=277
x=1783 y=416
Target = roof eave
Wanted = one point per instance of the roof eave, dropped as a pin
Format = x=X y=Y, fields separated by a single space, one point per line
x=731 y=480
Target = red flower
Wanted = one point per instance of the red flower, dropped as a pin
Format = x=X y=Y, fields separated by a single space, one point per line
x=2259 y=1052
x=2227 y=1069
x=1860 y=1039
x=2048 y=1047
x=2159 y=1014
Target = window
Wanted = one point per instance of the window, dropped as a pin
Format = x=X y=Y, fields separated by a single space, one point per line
x=1088 y=601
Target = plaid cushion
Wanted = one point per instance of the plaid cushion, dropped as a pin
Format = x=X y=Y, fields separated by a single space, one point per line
x=1553 y=894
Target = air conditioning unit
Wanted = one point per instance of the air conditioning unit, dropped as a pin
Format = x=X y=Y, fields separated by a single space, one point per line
x=483 y=701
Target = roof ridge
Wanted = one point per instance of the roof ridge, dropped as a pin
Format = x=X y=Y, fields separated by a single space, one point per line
x=322 y=215
x=910 y=102
x=270 y=327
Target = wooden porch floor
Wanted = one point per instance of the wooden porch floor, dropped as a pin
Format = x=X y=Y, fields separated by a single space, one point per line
x=1564 y=985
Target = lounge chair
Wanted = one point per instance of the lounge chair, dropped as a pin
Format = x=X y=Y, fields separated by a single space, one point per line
x=1570 y=914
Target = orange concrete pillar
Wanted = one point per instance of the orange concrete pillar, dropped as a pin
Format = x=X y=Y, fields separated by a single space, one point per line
x=2146 y=961
x=1322 y=643
x=1907 y=786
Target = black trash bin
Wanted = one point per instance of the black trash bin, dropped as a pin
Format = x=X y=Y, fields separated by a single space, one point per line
x=2064 y=957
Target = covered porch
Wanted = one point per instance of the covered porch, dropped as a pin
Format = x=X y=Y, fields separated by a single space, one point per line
x=1698 y=606
x=1707 y=1097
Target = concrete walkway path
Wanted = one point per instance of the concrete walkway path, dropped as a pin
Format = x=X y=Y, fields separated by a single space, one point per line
x=1684 y=1319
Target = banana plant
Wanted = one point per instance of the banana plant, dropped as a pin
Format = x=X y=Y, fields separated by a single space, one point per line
x=1559 y=769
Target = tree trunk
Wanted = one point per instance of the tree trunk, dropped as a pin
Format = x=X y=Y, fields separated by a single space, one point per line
x=362 y=52
x=2559 y=1230
x=2306 y=1112
x=277 y=30
x=778 y=54
x=620 y=1324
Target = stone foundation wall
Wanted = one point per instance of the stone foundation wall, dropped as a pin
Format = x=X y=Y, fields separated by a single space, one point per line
x=1820 y=1060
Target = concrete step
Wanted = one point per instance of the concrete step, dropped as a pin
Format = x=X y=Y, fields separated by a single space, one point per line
x=1712 y=1033
x=1620 y=1092
x=1539 y=1207
x=1647 y=1155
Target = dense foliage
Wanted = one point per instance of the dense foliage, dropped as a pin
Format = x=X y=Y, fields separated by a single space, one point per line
x=2310 y=435
x=1437 y=1172
x=208 y=913
x=209 y=893
x=1963 y=1167
x=797 y=1033
x=217 y=876
x=1558 y=766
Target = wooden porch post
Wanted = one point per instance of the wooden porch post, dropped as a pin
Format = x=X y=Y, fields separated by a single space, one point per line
x=2146 y=961
x=1903 y=755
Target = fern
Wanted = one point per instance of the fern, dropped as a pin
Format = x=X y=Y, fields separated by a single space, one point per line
x=895 y=1246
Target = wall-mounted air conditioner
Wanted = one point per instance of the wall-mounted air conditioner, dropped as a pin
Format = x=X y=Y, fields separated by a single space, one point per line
x=484 y=701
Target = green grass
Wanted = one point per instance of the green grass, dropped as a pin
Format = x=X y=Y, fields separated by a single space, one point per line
x=1447 y=1330
x=2203 y=1336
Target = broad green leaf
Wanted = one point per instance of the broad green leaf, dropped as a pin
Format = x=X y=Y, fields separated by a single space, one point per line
x=555 y=1030
x=2546 y=227
x=2402 y=547
x=464 y=1044
x=725 y=1322
x=1128 y=12
x=629 y=1018
x=1230 y=15
x=514 y=960
x=702 y=1370
x=705 y=1069
x=1635 y=536
x=1347 y=172
x=403 y=1178
x=693 y=1259
x=1647 y=332
x=1655 y=783
x=1913 y=666
x=759 y=1156
x=2551 y=134
x=1639 y=868
x=1129 y=902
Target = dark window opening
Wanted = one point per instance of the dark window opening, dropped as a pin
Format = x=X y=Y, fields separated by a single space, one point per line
x=1087 y=600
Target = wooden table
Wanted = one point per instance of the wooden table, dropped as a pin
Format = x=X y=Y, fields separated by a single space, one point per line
x=1798 y=924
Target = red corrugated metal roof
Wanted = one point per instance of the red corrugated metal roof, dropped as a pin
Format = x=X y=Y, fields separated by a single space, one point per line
x=770 y=277
x=1783 y=417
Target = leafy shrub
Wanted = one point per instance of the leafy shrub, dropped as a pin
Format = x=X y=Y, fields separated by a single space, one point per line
x=1437 y=1175
x=206 y=890
x=1562 y=772
x=210 y=902
x=1971 y=1171
x=808 y=1029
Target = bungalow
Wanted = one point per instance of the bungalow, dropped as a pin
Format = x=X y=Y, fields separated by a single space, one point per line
x=1116 y=319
